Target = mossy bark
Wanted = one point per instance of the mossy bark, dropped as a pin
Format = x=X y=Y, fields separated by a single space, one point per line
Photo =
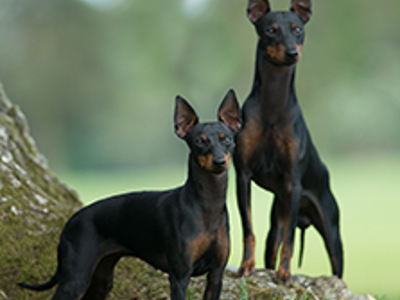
x=34 y=207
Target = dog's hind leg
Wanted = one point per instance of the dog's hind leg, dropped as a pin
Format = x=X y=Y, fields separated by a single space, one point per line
x=323 y=212
x=72 y=288
x=93 y=281
x=102 y=278
x=327 y=224
x=77 y=260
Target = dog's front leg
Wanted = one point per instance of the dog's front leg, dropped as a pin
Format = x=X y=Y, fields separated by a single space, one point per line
x=179 y=285
x=288 y=212
x=214 y=284
x=244 y=202
x=275 y=236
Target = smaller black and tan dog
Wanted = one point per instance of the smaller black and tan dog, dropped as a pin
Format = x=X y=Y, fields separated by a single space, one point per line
x=183 y=231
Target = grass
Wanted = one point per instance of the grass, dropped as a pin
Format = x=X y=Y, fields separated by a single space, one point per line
x=189 y=294
x=366 y=190
x=243 y=292
x=330 y=294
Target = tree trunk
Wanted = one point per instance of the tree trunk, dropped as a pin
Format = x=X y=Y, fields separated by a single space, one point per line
x=34 y=207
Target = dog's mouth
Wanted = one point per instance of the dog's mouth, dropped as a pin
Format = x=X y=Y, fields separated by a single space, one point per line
x=215 y=166
x=289 y=61
x=218 y=169
x=283 y=61
x=279 y=55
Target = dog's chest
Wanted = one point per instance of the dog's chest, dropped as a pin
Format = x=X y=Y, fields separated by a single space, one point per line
x=269 y=153
x=266 y=144
x=200 y=244
x=207 y=247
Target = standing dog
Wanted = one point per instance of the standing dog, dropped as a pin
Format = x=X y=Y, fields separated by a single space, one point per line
x=274 y=148
x=183 y=231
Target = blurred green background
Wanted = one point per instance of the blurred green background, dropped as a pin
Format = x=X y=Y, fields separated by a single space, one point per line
x=97 y=80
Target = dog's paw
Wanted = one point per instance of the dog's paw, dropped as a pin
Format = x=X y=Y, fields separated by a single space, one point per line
x=282 y=276
x=246 y=268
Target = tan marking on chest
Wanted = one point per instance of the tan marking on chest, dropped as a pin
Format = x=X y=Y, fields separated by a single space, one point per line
x=199 y=245
x=223 y=244
x=285 y=144
x=249 y=139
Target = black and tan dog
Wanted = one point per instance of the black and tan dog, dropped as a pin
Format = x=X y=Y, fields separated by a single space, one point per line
x=183 y=231
x=275 y=150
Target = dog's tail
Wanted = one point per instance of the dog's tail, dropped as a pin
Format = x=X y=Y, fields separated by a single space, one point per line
x=40 y=287
x=303 y=233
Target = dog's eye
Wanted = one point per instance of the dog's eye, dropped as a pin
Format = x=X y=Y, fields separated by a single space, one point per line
x=297 y=30
x=227 y=140
x=270 y=31
x=200 y=141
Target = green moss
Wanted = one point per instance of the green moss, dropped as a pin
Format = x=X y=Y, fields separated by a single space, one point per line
x=34 y=207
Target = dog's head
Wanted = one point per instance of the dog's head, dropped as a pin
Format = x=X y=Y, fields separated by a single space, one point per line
x=211 y=144
x=281 y=33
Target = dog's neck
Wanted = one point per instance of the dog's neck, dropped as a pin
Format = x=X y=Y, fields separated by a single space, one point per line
x=209 y=187
x=274 y=85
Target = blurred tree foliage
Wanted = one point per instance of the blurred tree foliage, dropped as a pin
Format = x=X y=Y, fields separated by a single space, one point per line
x=98 y=82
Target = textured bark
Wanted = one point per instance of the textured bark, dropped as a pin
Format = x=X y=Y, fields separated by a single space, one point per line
x=34 y=207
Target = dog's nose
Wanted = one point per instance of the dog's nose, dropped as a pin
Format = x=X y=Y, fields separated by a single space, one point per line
x=219 y=162
x=292 y=53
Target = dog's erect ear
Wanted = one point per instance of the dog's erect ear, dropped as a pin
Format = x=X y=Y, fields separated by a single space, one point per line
x=229 y=111
x=256 y=9
x=185 y=117
x=302 y=8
